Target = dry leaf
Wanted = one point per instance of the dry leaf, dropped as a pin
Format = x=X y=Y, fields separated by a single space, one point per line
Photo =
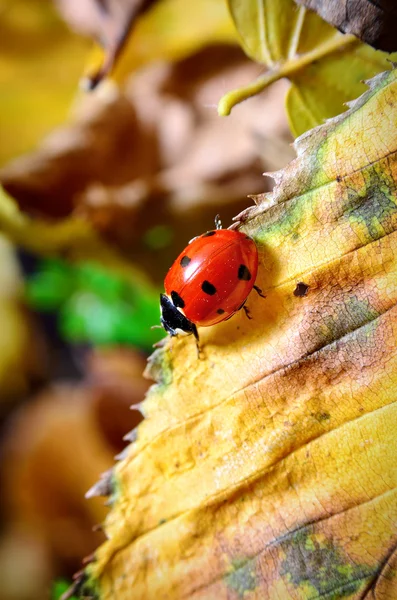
x=153 y=154
x=108 y=21
x=373 y=22
x=55 y=448
x=146 y=31
x=267 y=469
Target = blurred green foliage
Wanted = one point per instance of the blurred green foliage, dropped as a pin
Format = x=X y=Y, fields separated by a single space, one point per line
x=95 y=305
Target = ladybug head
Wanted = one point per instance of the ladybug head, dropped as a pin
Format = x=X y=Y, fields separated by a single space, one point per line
x=173 y=320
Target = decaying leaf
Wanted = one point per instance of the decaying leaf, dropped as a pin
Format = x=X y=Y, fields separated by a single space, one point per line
x=57 y=444
x=267 y=469
x=373 y=22
x=326 y=68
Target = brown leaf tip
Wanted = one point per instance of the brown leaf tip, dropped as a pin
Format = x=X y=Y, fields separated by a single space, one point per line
x=132 y=436
x=104 y=487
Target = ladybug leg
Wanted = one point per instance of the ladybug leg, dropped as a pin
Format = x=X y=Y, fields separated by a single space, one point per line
x=247 y=312
x=218 y=222
x=197 y=339
x=259 y=291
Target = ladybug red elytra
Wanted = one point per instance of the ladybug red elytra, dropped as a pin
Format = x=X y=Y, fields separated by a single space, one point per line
x=209 y=281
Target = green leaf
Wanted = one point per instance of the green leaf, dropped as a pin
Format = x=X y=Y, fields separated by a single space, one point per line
x=51 y=286
x=325 y=67
x=95 y=305
x=60 y=587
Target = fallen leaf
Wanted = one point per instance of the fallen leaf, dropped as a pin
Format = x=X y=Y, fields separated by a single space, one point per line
x=54 y=448
x=115 y=378
x=374 y=23
x=45 y=476
x=267 y=469
x=325 y=67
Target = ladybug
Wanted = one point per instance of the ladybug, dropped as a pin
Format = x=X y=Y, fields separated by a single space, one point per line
x=209 y=281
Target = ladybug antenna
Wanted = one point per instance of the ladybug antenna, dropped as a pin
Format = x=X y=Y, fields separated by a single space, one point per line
x=218 y=222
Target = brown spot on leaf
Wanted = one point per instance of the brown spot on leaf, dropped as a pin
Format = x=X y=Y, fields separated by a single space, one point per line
x=301 y=289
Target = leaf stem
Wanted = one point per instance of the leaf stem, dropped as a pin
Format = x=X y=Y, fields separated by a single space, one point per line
x=296 y=35
x=282 y=69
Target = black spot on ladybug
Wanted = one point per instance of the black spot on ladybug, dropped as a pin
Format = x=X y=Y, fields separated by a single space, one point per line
x=301 y=289
x=220 y=311
x=177 y=300
x=185 y=260
x=244 y=273
x=209 y=234
x=338 y=178
x=208 y=288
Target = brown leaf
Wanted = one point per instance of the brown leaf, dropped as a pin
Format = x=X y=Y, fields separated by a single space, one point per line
x=115 y=378
x=56 y=448
x=372 y=22
x=96 y=147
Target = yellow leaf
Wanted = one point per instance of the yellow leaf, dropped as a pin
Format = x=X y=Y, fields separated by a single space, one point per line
x=38 y=54
x=268 y=469
x=325 y=67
